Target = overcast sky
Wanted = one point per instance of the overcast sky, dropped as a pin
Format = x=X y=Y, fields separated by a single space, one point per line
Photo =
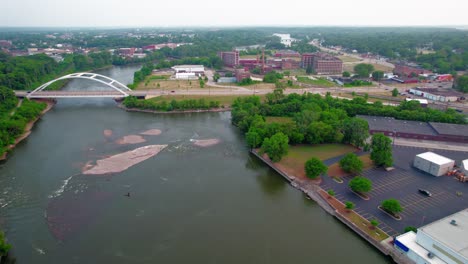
x=159 y=13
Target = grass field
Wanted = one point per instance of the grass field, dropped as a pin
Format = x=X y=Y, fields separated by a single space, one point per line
x=345 y=58
x=294 y=162
x=225 y=100
x=335 y=170
x=278 y=119
x=321 y=82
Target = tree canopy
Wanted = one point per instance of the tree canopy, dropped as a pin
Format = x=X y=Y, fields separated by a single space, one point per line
x=276 y=147
x=314 y=167
x=392 y=206
x=363 y=70
x=381 y=150
x=351 y=163
x=360 y=184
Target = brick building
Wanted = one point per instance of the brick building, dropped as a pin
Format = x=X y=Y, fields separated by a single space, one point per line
x=230 y=58
x=322 y=63
x=242 y=74
x=404 y=69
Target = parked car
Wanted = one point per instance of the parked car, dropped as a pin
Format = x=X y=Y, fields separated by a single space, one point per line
x=425 y=192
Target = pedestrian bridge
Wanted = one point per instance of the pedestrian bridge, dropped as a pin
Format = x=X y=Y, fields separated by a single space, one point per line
x=119 y=90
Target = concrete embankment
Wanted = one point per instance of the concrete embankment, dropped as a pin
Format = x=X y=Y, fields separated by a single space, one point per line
x=28 y=128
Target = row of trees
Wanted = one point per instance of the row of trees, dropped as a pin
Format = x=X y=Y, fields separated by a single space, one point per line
x=189 y=104
x=12 y=125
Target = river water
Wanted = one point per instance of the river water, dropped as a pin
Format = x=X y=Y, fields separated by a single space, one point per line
x=188 y=204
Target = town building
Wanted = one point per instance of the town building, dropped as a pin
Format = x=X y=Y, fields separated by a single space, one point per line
x=438 y=94
x=442 y=241
x=242 y=74
x=189 y=71
x=417 y=130
x=286 y=39
x=433 y=163
x=322 y=63
x=287 y=54
x=229 y=58
x=408 y=69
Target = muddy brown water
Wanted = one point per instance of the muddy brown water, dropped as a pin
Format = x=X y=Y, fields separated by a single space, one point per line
x=188 y=204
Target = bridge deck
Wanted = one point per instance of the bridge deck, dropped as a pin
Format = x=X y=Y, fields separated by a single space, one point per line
x=77 y=94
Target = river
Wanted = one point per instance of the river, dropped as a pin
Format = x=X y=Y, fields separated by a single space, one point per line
x=187 y=204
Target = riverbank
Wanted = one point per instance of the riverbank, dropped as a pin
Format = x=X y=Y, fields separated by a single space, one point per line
x=316 y=193
x=28 y=128
x=214 y=110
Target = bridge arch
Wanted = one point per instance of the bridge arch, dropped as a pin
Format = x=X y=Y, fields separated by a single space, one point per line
x=114 y=84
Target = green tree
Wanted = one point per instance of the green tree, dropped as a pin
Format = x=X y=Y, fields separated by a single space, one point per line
x=276 y=147
x=4 y=246
x=360 y=184
x=374 y=223
x=395 y=92
x=356 y=131
x=287 y=73
x=331 y=192
x=363 y=70
x=392 y=206
x=346 y=74
x=320 y=132
x=381 y=150
x=377 y=75
x=314 y=167
x=253 y=138
x=410 y=228
x=349 y=205
x=351 y=163
x=462 y=83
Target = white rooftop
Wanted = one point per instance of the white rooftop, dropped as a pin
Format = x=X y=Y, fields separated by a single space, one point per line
x=453 y=236
x=188 y=66
x=435 y=158
x=409 y=240
x=465 y=164
x=421 y=101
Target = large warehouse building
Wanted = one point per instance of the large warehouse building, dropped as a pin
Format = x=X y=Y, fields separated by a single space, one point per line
x=443 y=241
x=417 y=130
x=189 y=71
x=433 y=163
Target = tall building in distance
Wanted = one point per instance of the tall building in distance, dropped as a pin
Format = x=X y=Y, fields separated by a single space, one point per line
x=230 y=58
x=322 y=63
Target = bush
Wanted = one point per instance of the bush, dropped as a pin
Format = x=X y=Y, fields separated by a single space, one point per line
x=360 y=184
x=410 y=228
x=4 y=246
x=392 y=206
x=331 y=192
x=314 y=167
x=351 y=163
x=349 y=205
x=374 y=222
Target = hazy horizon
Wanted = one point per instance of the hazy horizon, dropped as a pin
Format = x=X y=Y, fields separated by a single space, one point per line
x=243 y=13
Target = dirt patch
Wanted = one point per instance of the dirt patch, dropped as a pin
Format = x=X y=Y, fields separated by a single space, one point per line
x=206 y=142
x=151 y=132
x=130 y=139
x=123 y=161
x=336 y=171
x=107 y=132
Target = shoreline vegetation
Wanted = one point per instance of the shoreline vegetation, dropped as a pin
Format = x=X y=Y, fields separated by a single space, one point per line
x=47 y=105
x=132 y=104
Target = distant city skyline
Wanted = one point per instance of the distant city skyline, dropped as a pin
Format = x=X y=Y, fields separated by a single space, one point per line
x=211 y=13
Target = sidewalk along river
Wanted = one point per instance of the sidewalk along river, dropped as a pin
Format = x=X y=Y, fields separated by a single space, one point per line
x=201 y=199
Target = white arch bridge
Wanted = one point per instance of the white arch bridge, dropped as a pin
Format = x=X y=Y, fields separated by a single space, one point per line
x=119 y=90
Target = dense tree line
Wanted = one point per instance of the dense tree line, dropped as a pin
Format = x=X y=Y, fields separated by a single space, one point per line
x=316 y=119
x=12 y=125
x=174 y=105
x=29 y=72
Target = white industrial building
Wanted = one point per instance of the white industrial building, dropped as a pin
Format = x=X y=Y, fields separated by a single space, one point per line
x=443 y=241
x=189 y=71
x=465 y=167
x=432 y=163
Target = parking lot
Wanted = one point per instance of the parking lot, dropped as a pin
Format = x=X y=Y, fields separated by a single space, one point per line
x=403 y=184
